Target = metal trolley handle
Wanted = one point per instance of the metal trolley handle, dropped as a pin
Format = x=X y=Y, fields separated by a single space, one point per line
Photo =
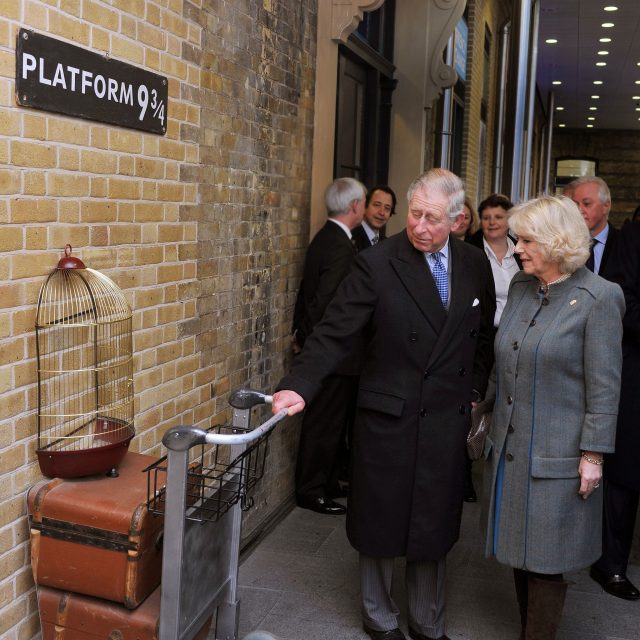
x=183 y=437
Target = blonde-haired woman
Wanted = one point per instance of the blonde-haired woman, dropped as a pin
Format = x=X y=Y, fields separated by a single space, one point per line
x=558 y=362
x=469 y=224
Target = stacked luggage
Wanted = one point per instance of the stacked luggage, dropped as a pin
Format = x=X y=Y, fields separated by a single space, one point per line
x=96 y=554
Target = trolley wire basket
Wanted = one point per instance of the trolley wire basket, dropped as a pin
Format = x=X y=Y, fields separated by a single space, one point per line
x=214 y=484
x=85 y=371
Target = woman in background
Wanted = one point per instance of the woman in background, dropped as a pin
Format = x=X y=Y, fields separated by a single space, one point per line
x=470 y=223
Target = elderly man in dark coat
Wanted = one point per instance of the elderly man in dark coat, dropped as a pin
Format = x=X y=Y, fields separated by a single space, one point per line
x=424 y=302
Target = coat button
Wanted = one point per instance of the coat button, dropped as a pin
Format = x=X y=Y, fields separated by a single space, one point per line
x=509 y=457
x=509 y=400
x=545 y=302
x=515 y=345
x=426 y=375
x=423 y=413
x=462 y=409
x=532 y=323
x=462 y=371
x=413 y=337
x=510 y=428
x=473 y=333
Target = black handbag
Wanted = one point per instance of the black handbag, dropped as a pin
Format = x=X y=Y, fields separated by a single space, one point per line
x=480 y=424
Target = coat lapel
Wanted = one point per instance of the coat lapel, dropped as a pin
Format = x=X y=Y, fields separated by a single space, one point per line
x=415 y=275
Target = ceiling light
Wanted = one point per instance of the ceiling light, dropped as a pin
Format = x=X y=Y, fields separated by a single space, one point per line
x=595 y=97
x=607 y=25
x=593 y=108
x=589 y=126
x=562 y=125
x=590 y=118
x=601 y=64
x=611 y=8
x=637 y=82
x=600 y=82
x=559 y=108
x=635 y=97
x=556 y=82
x=604 y=40
x=637 y=108
x=551 y=41
x=603 y=53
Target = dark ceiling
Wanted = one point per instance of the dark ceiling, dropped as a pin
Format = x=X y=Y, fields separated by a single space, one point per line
x=577 y=27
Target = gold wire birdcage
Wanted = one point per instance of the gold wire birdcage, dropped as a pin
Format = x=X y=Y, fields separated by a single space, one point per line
x=85 y=372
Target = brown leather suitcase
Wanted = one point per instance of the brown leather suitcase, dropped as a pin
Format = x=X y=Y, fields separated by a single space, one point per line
x=95 y=536
x=70 y=616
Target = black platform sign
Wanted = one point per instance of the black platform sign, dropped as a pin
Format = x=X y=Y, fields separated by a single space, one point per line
x=57 y=76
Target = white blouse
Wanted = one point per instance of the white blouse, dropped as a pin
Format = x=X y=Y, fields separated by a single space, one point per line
x=502 y=274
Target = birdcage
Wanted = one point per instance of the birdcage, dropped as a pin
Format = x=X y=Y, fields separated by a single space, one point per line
x=85 y=372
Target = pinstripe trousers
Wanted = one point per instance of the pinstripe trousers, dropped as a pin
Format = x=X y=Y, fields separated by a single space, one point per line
x=425 y=585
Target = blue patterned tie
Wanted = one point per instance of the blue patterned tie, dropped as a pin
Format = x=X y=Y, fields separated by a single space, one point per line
x=441 y=278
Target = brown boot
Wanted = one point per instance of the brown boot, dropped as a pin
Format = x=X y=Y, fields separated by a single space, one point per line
x=521 y=581
x=544 y=609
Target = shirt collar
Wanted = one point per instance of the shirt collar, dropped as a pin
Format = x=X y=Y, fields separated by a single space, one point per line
x=371 y=233
x=444 y=251
x=603 y=235
x=343 y=226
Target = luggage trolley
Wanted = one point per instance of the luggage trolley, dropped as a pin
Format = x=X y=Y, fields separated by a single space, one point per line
x=200 y=547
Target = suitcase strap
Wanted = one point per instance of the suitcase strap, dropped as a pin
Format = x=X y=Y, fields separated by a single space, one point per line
x=82 y=534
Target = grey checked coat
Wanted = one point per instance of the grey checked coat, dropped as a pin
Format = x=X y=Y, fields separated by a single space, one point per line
x=557 y=386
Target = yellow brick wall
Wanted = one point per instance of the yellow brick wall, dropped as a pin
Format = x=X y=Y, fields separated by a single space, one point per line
x=204 y=228
x=115 y=195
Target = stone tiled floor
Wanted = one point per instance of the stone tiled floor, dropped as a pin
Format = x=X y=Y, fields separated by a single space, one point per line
x=301 y=583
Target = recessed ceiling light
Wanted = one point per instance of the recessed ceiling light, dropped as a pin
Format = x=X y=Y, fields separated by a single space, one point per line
x=604 y=40
x=562 y=125
x=637 y=82
x=601 y=64
x=589 y=126
x=611 y=8
x=603 y=53
x=556 y=82
x=551 y=41
x=593 y=108
x=607 y=25
x=595 y=97
x=635 y=97
x=590 y=118
x=559 y=108
x=597 y=82
x=637 y=108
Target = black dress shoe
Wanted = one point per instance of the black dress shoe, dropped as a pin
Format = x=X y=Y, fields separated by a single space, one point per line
x=322 y=505
x=420 y=636
x=616 y=584
x=394 y=634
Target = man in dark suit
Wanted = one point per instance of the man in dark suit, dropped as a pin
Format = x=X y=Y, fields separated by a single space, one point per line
x=380 y=205
x=328 y=260
x=622 y=468
x=424 y=303
x=592 y=196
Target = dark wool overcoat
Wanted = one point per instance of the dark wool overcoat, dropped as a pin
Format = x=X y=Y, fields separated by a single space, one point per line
x=421 y=364
x=623 y=467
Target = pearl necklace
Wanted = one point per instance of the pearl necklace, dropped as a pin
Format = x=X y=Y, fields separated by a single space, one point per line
x=544 y=288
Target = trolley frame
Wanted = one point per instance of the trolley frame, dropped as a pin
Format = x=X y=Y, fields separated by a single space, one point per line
x=200 y=558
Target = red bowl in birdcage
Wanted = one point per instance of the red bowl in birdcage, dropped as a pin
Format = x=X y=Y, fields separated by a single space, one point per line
x=112 y=437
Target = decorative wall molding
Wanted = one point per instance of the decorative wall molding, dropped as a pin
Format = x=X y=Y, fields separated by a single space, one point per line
x=347 y=14
x=443 y=17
